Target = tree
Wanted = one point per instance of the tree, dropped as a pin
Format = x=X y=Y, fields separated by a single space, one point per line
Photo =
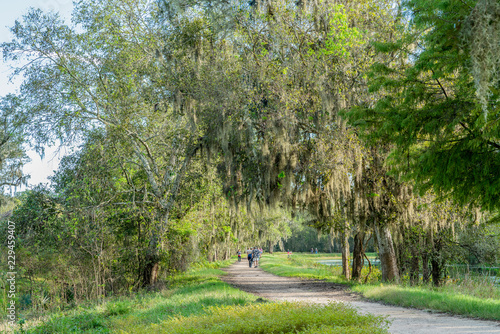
x=107 y=216
x=261 y=92
x=12 y=154
x=108 y=74
x=285 y=144
x=444 y=130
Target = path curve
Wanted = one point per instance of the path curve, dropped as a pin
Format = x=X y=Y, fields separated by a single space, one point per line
x=404 y=320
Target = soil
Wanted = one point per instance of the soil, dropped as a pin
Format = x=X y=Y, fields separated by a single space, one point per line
x=403 y=320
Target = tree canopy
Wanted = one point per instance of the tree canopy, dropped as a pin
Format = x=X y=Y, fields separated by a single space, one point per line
x=206 y=126
x=438 y=100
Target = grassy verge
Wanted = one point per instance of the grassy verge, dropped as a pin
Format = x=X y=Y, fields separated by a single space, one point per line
x=199 y=302
x=276 y=318
x=189 y=293
x=424 y=297
x=472 y=297
x=305 y=266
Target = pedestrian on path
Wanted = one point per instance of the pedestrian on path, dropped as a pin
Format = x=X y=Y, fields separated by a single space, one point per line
x=255 y=256
x=249 y=256
x=239 y=255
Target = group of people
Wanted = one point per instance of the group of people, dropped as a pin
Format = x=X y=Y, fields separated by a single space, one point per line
x=253 y=255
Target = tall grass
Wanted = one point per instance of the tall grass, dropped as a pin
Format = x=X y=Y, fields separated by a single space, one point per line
x=479 y=286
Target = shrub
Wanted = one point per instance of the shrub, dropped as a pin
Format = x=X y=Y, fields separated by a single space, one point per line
x=117 y=308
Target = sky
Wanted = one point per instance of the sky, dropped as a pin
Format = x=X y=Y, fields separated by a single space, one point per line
x=38 y=168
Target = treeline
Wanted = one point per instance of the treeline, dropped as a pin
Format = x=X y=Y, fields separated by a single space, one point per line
x=210 y=126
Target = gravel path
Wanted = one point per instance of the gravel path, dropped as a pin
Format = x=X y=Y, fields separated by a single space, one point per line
x=404 y=320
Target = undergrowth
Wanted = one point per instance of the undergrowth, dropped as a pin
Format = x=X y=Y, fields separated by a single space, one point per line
x=187 y=293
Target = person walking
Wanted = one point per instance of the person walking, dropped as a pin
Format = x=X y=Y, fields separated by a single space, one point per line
x=255 y=256
x=239 y=255
x=249 y=256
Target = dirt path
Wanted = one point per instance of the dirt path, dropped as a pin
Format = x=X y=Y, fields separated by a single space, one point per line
x=404 y=320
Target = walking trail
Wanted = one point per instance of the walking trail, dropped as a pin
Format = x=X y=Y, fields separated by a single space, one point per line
x=404 y=320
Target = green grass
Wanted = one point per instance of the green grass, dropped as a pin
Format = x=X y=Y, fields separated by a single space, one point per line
x=473 y=297
x=304 y=265
x=274 y=318
x=189 y=293
x=434 y=299
x=199 y=302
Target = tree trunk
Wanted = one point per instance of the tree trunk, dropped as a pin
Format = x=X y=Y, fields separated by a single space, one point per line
x=425 y=268
x=388 y=263
x=428 y=245
x=357 y=255
x=345 y=255
x=437 y=263
x=436 y=271
x=151 y=261
x=150 y=269
x=330 y=243
x=369 y=267
x=414 y=268
x=271 y=246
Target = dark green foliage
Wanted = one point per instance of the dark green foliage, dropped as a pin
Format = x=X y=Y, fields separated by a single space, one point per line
x=429 y=111
x=36 y=215
x=12 y=139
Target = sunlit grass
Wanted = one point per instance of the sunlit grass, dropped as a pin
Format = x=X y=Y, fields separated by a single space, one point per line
x=305 y=265
x=474 y=296
x=189 y=293
x=271 y=318
x=424 y=297
x=199 y=302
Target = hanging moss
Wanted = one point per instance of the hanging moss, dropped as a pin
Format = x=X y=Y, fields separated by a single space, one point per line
x=481 y=34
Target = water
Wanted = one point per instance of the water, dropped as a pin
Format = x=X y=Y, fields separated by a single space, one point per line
x=460 y=270
x=339 y=262
x=483 y=270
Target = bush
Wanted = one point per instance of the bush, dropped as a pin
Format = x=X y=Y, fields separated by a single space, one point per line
x=117 y=308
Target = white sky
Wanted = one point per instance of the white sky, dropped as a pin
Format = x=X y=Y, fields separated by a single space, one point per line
x=11 y=11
